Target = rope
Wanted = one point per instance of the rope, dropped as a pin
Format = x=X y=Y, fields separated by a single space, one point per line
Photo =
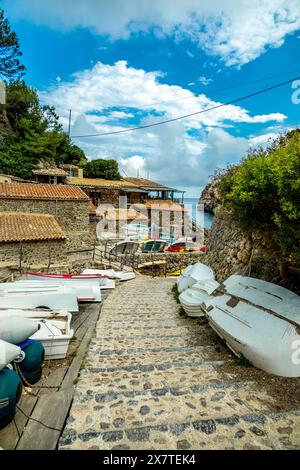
x=37 y=421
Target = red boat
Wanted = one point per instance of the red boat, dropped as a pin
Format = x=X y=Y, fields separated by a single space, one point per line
x=74 y=277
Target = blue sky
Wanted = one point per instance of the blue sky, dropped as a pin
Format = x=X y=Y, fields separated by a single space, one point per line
x=123 y=63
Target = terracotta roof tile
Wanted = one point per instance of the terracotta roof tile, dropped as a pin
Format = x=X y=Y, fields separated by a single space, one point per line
x=25 y=226
x=40 y=191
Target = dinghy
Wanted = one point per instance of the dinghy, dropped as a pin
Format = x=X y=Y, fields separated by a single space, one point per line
x=102 y=282
x=260 y=321
x=192 y=274
x=65 y=298
x=192 y=299
x=8 y=353
x=16 y=329
x=53 y=329
x=111 y=274
x=85 y=292
x=124 y=248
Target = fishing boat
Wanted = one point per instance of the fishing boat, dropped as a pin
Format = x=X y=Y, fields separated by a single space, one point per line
x=259 y=321
x=192 y=300
x=85 y=292
x=124 y=248
x=111 y=274
x=65 y=298
x=52 y=328
x=192 y=274
x=8 y=353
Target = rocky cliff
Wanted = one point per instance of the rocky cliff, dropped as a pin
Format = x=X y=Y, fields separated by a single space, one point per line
x=210 y=196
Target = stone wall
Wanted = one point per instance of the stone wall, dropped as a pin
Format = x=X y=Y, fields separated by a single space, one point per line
x=228 y=249
x=33 y=253
x=72 y=216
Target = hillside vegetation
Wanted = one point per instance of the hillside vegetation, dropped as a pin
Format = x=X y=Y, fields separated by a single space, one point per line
x=263 y=194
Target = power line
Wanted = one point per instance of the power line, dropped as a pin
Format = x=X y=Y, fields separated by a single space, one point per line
x=190 y=114
x=216 y=90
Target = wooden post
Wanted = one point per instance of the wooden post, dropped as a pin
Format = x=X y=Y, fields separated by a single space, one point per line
x=20 y=257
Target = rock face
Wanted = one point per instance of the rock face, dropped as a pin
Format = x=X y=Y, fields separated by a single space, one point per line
x=210 y=196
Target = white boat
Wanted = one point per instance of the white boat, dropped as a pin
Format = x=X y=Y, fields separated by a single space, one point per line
x=65 y=298
x=260 y=321
x=68 y=280
x=85 y=292
x=111 y=274
x=193 y=299
x=16 y=329
x=8 y=353
x=124 y=248
x=192 y=274
x=54 y=329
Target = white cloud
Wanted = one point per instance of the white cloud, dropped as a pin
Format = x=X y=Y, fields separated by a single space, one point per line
x=182 y=153
x=204 y=80
x=237 y=32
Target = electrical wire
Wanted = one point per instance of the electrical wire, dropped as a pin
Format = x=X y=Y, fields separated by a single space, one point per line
x=236 y=100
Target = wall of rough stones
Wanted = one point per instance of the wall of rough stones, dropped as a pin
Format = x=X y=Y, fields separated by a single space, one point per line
x=72 y=216
x=33 y=253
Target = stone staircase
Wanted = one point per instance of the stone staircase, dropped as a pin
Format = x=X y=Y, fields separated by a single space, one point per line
x=154 y=380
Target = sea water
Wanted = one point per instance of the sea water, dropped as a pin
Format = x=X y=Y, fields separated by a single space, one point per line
x=192 y=206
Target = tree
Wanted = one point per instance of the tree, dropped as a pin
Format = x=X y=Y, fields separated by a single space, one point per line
x=263 y=194
x=37 y=134
x=10 y=66
x=101 y=168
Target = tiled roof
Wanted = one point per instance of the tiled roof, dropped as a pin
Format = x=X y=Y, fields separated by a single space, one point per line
x=148 y=184
x=121 y=214
x=25 y=226
x=162 y=205
x=109 y=184
x=50 y=172
x=40 y=191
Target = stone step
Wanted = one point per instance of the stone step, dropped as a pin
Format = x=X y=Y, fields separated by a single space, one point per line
x=151 y=377
x=246 y=431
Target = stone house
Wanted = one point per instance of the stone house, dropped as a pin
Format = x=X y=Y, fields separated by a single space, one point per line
x=50 y=175
x=69 y=205
x=30 y=238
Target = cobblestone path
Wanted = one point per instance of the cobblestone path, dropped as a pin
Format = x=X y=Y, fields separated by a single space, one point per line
x=155 y=380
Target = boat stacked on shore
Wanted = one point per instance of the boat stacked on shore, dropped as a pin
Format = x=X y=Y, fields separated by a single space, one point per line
x=258 y=320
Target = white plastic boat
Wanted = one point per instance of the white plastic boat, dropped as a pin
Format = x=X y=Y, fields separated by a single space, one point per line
x=53 y=329
x=124 y=248
x=87 y=279
x=192 y=300
x=259 y=321
x=85 y=292
x=111 y=274
x=15 y=329
x=65 y=298
x=8 y=353
x=192 y=274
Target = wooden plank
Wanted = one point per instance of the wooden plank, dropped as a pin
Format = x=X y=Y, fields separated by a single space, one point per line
x=9 y=436
x=52 y=410
x=54 y=378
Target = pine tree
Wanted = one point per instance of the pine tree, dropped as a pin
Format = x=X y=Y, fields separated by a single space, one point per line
x=10 y=67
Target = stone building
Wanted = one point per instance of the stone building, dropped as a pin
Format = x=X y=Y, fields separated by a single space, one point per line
x=50 y=175
x=69 y=205
x=29 y=238
x=102 y=191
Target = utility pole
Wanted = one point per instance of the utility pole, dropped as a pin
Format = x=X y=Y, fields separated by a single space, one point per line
x=70 y=117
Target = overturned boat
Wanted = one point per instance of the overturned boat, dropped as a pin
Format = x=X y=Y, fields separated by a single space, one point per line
x=260 y=321
x=53 y=329
x=192 y=300
x=111 y=274
x=194 y=273
x=64 y=298
x=69 y=279
x=85 y=292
